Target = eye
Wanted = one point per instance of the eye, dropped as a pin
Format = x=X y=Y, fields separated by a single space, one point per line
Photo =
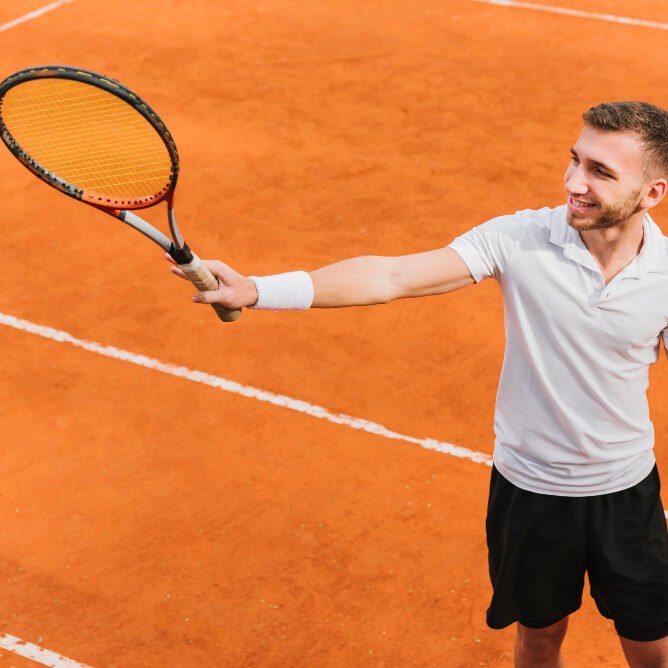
x=598 y=170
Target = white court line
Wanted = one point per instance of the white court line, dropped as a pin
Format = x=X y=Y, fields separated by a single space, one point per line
x=243 y=390
x=33 y=15
x=37 y=654
x=577 y=12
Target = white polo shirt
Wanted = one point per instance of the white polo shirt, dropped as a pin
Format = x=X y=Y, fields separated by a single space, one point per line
x=572 y=417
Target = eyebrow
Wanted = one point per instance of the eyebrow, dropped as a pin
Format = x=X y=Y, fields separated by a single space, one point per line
x=598 y=163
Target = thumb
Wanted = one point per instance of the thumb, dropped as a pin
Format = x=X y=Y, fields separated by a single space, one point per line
x=211 y=296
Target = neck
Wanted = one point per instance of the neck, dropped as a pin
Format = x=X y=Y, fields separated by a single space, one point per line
x=624 y=239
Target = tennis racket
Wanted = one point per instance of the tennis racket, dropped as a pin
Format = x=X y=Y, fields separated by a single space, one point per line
x=98 y=142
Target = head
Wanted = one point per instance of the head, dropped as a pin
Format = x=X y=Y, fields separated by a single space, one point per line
x=619 y=165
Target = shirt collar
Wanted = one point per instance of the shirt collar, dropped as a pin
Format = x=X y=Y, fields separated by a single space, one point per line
x=653 y=256
x=654 y=252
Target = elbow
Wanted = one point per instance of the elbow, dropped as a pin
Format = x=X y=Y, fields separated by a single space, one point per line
x=392 y=287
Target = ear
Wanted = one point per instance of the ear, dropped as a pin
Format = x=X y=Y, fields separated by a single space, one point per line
x=657 y=191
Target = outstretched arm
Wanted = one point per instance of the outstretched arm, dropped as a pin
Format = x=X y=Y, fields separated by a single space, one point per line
x=378 y=280
x=357 y=281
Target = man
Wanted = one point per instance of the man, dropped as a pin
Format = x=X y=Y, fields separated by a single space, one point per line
x=585 y=285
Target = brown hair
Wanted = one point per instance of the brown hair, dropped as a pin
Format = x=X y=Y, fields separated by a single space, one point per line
x=648 y=122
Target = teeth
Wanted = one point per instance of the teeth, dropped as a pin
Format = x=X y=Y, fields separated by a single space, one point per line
x=577 y=202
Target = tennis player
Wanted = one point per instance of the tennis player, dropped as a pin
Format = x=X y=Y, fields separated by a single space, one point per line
x=574 y=487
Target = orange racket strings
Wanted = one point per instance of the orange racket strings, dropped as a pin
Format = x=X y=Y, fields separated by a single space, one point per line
x=87 y=137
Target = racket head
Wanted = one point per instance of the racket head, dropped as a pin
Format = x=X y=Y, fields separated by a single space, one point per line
x=89 y=136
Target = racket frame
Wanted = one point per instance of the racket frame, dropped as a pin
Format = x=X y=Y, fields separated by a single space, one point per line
x=122 y=209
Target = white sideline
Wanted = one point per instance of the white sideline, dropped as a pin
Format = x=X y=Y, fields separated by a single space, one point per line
x=37 y=654
x=577 y=12
x=33 y=15
x=47 y=658
x=243 y=390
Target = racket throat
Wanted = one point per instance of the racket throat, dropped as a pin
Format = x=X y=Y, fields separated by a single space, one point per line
x=179 y=249
x=142 y=226
x=174 y=228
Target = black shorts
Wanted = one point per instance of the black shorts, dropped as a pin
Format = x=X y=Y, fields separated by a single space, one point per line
x=541 y=545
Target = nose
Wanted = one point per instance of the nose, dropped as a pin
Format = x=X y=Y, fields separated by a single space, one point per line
x=575 y=180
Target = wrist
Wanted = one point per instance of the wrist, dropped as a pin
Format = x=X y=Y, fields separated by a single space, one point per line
x=253 y=293
x=292 y=290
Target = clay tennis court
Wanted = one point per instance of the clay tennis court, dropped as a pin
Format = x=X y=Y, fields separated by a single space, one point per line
x=154 y=517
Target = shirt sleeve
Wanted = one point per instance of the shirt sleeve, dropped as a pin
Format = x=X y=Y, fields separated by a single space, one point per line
x=488 y=248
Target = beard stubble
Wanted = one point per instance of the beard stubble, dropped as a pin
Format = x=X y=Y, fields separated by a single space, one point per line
x=608 y=216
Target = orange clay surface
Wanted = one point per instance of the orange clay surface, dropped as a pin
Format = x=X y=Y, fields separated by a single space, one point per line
x=148 y=521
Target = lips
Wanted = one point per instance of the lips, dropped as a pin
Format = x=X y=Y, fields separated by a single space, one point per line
x=579 y=205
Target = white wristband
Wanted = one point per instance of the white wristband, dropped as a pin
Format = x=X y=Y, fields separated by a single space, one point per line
x=293 y=290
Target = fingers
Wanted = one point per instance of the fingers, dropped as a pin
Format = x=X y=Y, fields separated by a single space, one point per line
x=211 y=297
x=239 y=293
x=223 y=272
x=177 y=272
x=228 y=297
x=174 y=268
x=234 y=290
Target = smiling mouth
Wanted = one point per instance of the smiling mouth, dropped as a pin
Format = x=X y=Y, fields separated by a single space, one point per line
x=580 y=204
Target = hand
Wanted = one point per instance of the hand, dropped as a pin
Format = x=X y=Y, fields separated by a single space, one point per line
x=234 y=292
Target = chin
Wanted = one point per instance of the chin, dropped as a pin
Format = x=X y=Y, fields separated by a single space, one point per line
x=580 y=223
x=585 y=224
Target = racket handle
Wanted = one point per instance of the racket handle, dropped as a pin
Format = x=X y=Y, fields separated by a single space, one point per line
x=205 y=281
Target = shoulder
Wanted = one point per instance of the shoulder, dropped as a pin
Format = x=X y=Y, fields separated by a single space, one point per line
x=489 y=248
x=533 y=225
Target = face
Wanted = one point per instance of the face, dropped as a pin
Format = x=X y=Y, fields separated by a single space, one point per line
x=606 y=182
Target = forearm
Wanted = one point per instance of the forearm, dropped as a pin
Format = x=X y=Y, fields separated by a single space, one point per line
x=378 y=280
x=358 y=281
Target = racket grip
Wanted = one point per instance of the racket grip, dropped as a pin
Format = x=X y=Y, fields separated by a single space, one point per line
x=205 y=281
